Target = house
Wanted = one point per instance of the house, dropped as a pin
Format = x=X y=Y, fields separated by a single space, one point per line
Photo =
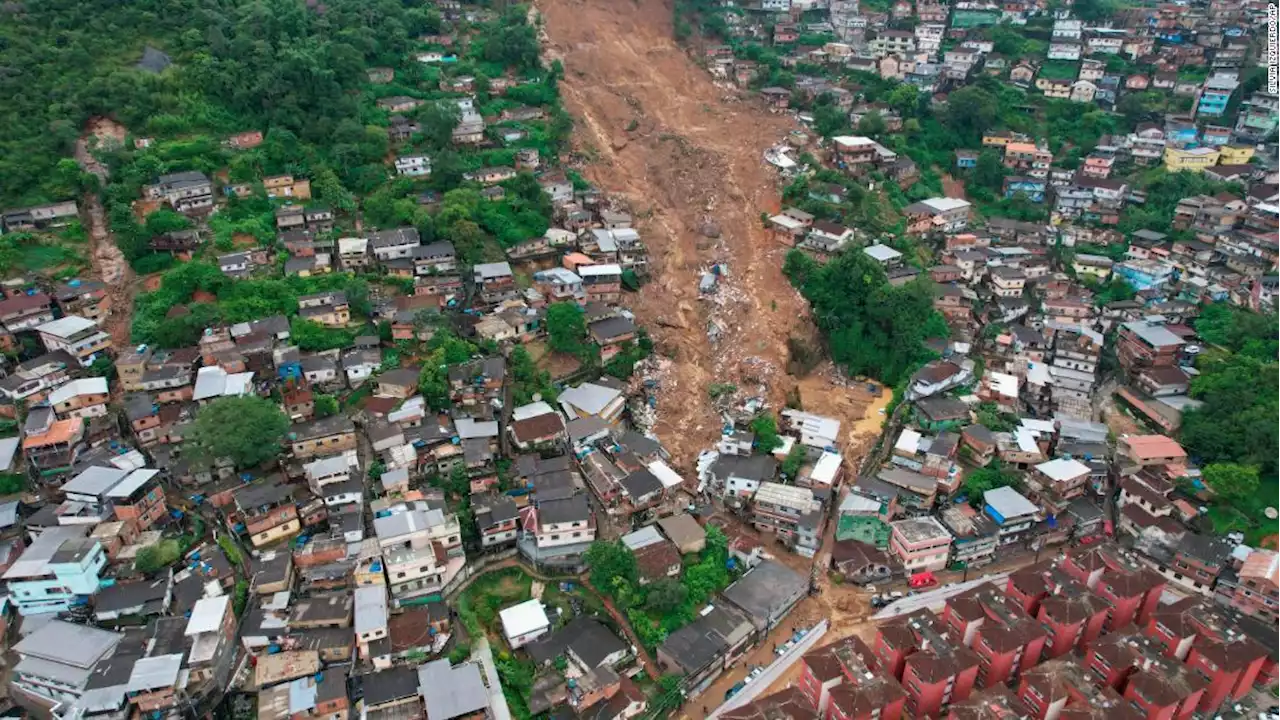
x=702 y=650
x=39 y=217
x=60 y=566
x=685 y=532
x=593 y=400
x=413 y=165
x=920 y=543
x=186 y=192
x=1191 y=159
x=937 y=215
x=80 y=337
x=524 y=623
x=327 y=308
x=1013 y=514
x=56 y=661
x=453 y=692
x=26 y=311
x=83 y=398
x=398 y=103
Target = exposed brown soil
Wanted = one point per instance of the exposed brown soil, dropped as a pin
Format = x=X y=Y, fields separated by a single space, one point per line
x=108 y=263
x=687 y=156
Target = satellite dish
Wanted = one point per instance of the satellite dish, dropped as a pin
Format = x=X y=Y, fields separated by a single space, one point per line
x=1271 y=513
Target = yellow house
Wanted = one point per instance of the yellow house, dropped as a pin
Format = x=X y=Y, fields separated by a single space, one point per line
x=1235 y=154
x=996 y=139
x=1189 y=159
x=1054 y=88
x=1096 y=266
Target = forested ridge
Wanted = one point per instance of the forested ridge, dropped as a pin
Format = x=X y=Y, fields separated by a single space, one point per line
x=236 y=65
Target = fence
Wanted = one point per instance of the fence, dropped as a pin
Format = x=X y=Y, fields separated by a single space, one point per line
x=473 y=567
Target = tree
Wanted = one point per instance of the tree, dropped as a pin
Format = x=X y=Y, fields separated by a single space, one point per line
x=665 y=596
x=247 y=430
x=989 y=172
x=970 y=111
x=765 y=428
x=872 y=328
x=154 y=558
x=433 y=383
x=829 y=120
x=872 y=124
x=325 y=405
x=438 y=119
x=166 y=221
x=566 y=328
x=611 y=560
x=1232 y=483
x=985 y=479
x=794 y=460
x=1237 y=421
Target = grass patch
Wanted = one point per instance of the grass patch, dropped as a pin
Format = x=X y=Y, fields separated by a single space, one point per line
x=1059 y=71
x=479 y=604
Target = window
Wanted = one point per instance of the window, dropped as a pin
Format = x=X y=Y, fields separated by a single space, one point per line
x=555 y=537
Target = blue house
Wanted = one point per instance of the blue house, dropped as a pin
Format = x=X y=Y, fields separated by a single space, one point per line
x=1032 y=188
x=59 y=569
x=966 y=159
x=1215 y=96
x=288 y=363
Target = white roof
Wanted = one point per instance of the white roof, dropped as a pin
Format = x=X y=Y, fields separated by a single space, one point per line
x=132 y=482
x=1009 y=502
x=855 y=503
x=81 y=386
x=908 y=441
x=532 y=410
x=212 y=381
x=8 y=448
x=371 y=608
x=882 y=253
x=469 y=429
x=852 y=140
x=159 y=671
x=492 y=270
x=67 y=326
x=668 y=477
x=589 y=397
x=1003 y=383
x=352 y=244
x=207 y=614
x=825 y=470
x=790 y=496
x=524 y=618
x=787 y=222
x=1063 y=469
x=1026 y=440
x=943 y=204
x=94 y=480
x=560 y=275
x=644 y=537
x=603 y=269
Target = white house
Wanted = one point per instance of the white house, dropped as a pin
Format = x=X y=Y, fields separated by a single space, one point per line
x=524 y=623
x=413 y=165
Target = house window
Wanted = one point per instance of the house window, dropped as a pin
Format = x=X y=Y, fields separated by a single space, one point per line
x=555 y=537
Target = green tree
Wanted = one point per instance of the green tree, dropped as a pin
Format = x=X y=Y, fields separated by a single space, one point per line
x=247 y=429
x=971 y=110
x=325 y=405
x=154 y=558
x=665 y=596
x=437 y=120
x=1232 y=483
x=611 y=560
x=765 y=428
x=566 y=328
x=989 y=172
x=985 y=479
x=793 y=462
x=165 y=221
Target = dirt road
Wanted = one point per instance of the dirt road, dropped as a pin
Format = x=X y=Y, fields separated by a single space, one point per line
x=686 y=155
x=108 y=263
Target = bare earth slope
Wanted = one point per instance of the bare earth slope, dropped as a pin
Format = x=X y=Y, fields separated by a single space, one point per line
x=684 y=153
